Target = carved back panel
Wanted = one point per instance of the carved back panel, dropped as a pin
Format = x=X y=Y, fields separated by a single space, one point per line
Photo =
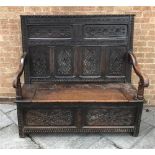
x=77 y=48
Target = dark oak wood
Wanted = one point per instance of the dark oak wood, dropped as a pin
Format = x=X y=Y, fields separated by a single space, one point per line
x=143 y=79
x=72 y=93
x=77 y=73
x=16 y=81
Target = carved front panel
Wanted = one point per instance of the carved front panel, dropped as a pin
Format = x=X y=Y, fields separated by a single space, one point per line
x=39 y=61
x=111 y=116
x=64 y=61
x=49 y=117
x=90 y=61
x=116 y=61
x=50 y=31
x=102 y=31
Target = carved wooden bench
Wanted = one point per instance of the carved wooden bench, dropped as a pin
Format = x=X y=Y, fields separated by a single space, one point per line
x=77 y=75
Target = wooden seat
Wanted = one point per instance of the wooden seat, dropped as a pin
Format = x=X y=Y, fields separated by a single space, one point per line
x=122 y=92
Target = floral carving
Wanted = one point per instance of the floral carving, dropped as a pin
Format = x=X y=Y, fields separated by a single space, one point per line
x=39 y=61
x=50 y=32
x=64 y=61
x=49 y=117
x=91 y=61
x=101 y=31
x=113 y=116
x=116 y=61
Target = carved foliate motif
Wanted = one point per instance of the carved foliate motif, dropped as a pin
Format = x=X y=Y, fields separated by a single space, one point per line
x=74 y=33
x=112 y=116
x=96 y=19
x=116 y=61
x=50 y=32
x=64 y=60
x=58 y=117
x=101 y=31
x=90 y=61
x=39 y=57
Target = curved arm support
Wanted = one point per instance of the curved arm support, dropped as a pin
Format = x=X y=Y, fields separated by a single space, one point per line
x=143 y=79
x=16 y=81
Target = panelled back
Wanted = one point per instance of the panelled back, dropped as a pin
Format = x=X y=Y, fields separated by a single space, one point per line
x=77 y=48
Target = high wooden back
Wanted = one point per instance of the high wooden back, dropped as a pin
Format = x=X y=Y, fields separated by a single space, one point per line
x=77 y=48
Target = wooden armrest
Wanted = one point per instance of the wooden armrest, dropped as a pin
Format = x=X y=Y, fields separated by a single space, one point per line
x=143 y=79
x=16 y=81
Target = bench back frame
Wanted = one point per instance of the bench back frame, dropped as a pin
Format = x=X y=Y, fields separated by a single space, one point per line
x=77 y=48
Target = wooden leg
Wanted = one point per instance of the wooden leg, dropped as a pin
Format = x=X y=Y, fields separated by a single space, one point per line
x=136 y=132
x=138 y=120
x=20 y=120
x=22 y=134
